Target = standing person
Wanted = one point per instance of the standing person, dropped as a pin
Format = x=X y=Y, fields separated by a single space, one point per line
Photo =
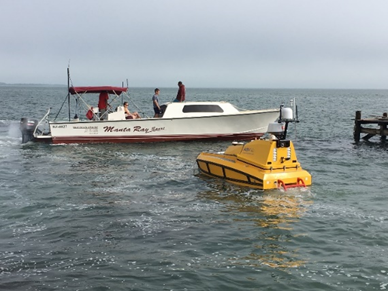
x=180 y=97
x=103 y=103
x=155 y=101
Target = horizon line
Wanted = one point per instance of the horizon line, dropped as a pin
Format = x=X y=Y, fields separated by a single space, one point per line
x=250 y=88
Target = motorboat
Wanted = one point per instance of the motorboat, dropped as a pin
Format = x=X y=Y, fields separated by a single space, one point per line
x=266 y=163
x=180 y=121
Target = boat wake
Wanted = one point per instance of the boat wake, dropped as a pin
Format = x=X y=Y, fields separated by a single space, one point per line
x=9 y=133
x=14 y=130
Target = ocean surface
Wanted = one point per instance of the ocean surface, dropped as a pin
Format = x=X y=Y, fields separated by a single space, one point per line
x=139 y=217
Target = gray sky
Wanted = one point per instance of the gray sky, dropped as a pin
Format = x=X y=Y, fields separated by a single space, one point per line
x=204 y=43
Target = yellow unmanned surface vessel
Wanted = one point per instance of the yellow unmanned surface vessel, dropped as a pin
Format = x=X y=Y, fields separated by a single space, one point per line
x=264 y=163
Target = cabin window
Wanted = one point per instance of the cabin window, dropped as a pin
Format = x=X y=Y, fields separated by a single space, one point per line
x=202 y=108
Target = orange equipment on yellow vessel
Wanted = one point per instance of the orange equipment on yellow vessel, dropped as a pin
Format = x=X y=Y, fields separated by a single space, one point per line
x=263 y=163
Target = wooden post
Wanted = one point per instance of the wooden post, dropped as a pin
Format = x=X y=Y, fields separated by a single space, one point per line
x=357 y=127
x=383 y=127
x=383 y=137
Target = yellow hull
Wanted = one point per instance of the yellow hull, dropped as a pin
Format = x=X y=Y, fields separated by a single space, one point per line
x=261 y=164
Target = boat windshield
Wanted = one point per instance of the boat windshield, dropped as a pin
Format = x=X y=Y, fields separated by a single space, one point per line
x=202 y=108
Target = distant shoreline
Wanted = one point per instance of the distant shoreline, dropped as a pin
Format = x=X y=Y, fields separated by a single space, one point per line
x=2 y=84
x=32 y=85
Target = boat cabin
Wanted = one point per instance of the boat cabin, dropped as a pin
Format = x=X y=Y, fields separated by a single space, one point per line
x=195 y=109
x=170 y=109
x=185 y=109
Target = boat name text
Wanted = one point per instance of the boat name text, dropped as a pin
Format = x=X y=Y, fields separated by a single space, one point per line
x=133 y=129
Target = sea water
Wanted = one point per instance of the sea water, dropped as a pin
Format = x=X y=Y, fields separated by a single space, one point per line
x=139 y=217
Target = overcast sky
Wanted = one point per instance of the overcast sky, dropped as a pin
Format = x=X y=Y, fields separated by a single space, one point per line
x=204 y=43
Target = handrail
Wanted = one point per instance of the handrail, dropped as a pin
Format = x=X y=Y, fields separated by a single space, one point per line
x=44 y=117
x=299 y=183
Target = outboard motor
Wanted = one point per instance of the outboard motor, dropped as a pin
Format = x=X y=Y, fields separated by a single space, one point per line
x=27 y=127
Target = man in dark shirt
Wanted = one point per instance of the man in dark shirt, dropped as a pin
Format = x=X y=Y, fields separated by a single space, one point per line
x=180 y=97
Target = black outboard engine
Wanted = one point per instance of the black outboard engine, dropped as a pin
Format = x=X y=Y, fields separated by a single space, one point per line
x=27 y=127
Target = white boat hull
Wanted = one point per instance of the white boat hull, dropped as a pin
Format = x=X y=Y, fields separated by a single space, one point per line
x=241 y=126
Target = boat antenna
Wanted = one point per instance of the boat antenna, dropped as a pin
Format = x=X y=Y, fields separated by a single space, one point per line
x=68 y=88
x=295 y=111
x=122 y=97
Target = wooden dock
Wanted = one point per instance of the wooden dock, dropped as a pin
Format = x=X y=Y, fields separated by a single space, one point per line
x=379 y=123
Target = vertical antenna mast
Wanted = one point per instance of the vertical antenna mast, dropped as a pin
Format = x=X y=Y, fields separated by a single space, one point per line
x=68 y=91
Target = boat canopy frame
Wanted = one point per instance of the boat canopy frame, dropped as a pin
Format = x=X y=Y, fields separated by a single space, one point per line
x=79 y=91
x=97 y=89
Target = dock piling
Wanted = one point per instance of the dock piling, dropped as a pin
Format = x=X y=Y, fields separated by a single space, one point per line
x=357 y=127
x=381 y=122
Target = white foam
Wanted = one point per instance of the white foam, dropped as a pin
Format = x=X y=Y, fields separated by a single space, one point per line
x=14 y=130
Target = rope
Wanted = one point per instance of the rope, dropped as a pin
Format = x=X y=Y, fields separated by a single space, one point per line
x=60 y=108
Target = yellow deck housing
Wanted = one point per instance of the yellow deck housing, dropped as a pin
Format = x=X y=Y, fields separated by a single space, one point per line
x=262 y=164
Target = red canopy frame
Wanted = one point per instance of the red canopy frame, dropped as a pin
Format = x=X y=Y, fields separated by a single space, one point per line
x=97 y=89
